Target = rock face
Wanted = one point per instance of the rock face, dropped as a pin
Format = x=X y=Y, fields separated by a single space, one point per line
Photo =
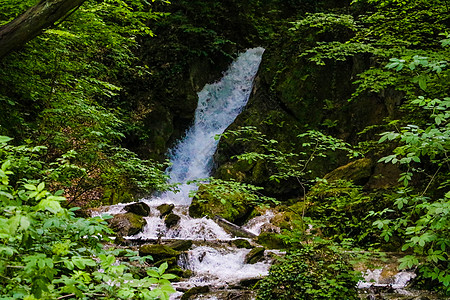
x=127 y=224
x=138 y=208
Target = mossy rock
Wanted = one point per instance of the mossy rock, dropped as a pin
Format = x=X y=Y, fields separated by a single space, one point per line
x=127 y=224
x=176 y=270
x=138 y=208
x=194 y=291
x=234 y=209
x=255 y=255
x=242 y=243
x=171 y=262
x=165 y=209
x=270 y=240
x=171 y=220
x=358 y=171
x=158 y=252
x=181 y=245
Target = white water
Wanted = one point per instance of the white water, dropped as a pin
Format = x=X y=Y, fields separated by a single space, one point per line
x=218 y=106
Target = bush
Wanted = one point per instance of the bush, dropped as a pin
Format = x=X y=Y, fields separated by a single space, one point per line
x=310 y=273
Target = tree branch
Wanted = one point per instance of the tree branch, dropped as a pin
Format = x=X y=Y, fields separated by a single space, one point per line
x=31 y=23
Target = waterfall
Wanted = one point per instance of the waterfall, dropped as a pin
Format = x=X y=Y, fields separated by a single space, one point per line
x=218 y=106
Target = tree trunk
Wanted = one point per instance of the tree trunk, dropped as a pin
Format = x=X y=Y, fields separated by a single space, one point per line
x=31 y=23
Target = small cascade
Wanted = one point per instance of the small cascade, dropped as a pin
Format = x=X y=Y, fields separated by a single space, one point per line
x=213 y=260
x=375 y=278
x=187 y=228
x=221 y=267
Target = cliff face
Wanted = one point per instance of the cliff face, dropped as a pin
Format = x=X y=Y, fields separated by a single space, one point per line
x=292 y=93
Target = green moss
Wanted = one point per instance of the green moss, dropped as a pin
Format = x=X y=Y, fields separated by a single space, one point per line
x=158 y=252
x=270 y=240
x=234 y=208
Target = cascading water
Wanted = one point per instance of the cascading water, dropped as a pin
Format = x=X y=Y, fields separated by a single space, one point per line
x=222 y=265
x=218 y=106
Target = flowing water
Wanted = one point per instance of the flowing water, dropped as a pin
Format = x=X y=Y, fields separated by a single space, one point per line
x=221 y=265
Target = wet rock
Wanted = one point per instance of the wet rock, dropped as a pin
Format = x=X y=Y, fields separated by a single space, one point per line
x=158 y=252
x=249 y=282
x=171 y=220
x=233 y=228
x=176 y=270
x=242 y=243
x=194 y=291
x=181 y=245
x=165 y=209
x=127 y=224
x=270 y=240
x=187 y=274
x=234 y=209
x=138 y=208
x=358 y=171
x=171 y=262
x=255 y=255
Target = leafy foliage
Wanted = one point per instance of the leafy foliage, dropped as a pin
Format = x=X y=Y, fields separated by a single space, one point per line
x=424 y=219
x=47 y=252
x=310 y=273
x=63 y=93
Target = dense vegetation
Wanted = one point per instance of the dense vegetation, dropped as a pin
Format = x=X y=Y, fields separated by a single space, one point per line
x=89 y=107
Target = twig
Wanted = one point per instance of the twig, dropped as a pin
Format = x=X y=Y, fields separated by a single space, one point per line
x=429 y=183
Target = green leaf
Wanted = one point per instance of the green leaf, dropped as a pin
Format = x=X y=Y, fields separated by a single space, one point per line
x=4 y=139
x=153 y=273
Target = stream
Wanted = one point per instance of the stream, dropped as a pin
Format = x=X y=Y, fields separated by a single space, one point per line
x=213 y=259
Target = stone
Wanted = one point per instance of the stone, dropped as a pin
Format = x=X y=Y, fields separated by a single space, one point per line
x=171 y=220
x=158 y=252
x=234 y=209
x=194 y=291
x=358 y=171
x=270 y=240
x=139 y=208
x=165 y=209
x=249 y=282
x=255 y=255
x=127 y=224
x=181 y=245
x=242 y=243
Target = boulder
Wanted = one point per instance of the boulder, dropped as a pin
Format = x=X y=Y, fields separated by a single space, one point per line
x=358 y=171
x=206 y=203
x=138 y=208
x=181 y=245
x=171 y=220
x=194 y=291
x=127 y=224
x=158 y=252
x=270 y=240
x=242 y=243
x=255 y=255
x=165 y=209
